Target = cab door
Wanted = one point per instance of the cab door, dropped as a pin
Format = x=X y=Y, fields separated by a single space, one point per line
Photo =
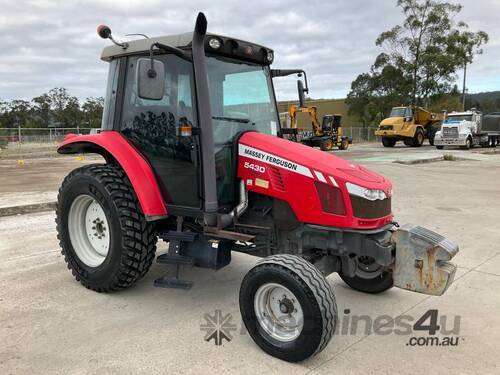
x=152 y=126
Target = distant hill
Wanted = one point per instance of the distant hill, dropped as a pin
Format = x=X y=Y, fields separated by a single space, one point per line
x=485 y=101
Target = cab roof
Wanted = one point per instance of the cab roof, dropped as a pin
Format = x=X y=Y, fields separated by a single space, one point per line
x=140 y=46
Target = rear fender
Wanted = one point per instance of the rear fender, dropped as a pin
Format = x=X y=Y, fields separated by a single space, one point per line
x=139 y=172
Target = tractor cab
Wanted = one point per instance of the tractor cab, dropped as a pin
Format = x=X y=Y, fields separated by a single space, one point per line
x=331 y=123
x=162 y=117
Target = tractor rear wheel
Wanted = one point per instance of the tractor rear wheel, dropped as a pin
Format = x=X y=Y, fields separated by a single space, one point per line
x=388 y=142
x=105 y=239
x=288 y=307
x=370 y=277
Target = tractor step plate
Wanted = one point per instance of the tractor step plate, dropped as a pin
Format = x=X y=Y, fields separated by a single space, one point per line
x=175 y=259
x=173 y=282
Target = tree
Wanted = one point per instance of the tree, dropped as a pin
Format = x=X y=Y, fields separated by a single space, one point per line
x=71 y=115
x=42 y=105
x=422 y=55
x=92 y=111
x=467 y=44
x=58 y=97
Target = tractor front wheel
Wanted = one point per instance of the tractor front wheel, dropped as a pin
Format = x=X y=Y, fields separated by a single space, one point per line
x=370 y=277
x=105 y=239
x=288 y=307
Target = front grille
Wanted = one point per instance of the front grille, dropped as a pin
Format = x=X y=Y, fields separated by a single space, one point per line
x=385 y=127
x=365 y=209
x=450 y=132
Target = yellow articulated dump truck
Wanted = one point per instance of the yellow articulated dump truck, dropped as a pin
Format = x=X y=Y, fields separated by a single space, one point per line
x=412 y=125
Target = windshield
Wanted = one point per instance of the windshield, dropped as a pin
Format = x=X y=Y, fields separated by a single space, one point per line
x=458 y=118
x=241 y=98
x=400 y=112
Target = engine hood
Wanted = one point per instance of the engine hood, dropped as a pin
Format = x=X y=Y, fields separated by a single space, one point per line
x=392 y=121
x=306 y=159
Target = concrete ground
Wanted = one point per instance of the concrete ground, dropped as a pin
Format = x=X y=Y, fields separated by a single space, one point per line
x=49 y=323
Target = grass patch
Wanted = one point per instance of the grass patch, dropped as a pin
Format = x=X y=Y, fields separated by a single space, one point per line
x=450 y=157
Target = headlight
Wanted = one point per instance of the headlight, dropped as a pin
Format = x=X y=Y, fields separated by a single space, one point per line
x=270 y=56
x=370 y=194
x=462 y=135
x=214 y=43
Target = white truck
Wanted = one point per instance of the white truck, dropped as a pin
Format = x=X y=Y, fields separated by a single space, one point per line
x=468 y=129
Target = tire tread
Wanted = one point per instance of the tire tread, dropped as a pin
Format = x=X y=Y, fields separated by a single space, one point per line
x=138 y=236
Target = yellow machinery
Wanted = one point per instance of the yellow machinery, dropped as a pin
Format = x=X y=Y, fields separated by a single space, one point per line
x=410 y=125
x=326 y=135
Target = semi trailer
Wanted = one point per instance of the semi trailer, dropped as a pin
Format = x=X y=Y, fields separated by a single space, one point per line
x=468 y=129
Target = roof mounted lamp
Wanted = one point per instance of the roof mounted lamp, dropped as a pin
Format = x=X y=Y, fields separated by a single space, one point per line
x=105 y=33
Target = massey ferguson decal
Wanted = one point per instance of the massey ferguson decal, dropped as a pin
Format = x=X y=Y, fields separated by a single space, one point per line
x=271 y=159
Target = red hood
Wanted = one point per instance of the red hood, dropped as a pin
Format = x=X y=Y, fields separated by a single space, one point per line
x=324 y=162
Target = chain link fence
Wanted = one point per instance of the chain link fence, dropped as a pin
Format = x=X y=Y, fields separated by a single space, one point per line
x=360 y=134
x=36 y=138
x=32 y=139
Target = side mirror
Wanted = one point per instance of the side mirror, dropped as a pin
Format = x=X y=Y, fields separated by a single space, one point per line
x=300 y=90
x=150 y=79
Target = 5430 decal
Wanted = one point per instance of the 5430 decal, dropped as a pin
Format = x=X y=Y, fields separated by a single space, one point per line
x=254 y=167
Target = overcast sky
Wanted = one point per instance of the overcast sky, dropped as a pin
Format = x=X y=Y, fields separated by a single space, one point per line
x=48 y=43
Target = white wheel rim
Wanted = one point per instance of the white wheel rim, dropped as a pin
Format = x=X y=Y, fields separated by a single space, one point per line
x=89 y=230
x=278 y=312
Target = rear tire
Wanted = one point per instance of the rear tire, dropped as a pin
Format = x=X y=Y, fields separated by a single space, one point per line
x=291 y=291
x=432 y=135
x=105 y=192
x=369 y=278
x=388 y=142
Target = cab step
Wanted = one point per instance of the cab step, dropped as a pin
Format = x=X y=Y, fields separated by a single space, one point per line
x=177 y=241
x=175 y=259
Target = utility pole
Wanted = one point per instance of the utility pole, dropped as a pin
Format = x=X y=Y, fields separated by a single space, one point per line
x=463 y=89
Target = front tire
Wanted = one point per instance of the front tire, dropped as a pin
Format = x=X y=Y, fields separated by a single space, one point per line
x=388 y=142
x=468 y=144
x=288 y=307
x=344 y=144
x=418 y=139
x=439 y=147
x=105 y=239
x=370 y=277
x=326 y=145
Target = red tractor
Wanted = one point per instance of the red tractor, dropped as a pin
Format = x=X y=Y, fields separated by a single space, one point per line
x=193 y=152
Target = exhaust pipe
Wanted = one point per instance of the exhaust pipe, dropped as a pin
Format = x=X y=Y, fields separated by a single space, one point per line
x=205 y=121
